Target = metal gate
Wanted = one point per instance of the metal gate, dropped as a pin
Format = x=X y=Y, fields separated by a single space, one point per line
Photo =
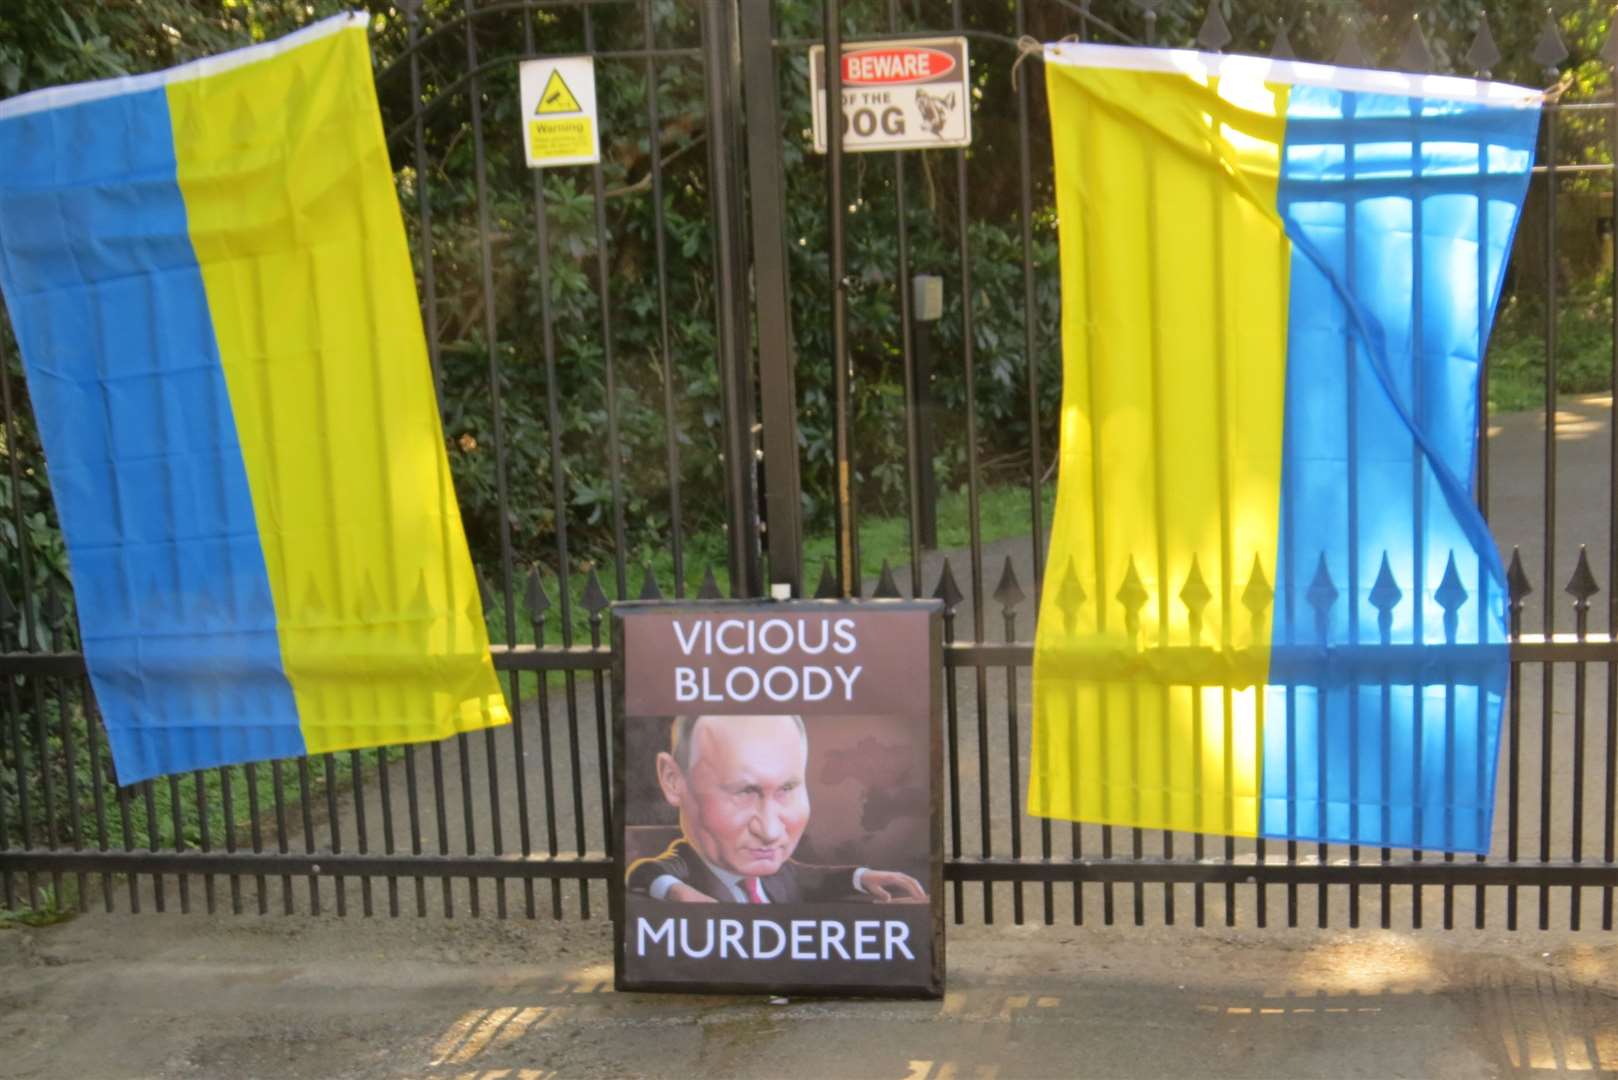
x=702 y=361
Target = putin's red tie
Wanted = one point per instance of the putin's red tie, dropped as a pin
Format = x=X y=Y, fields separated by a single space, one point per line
x=755 y=895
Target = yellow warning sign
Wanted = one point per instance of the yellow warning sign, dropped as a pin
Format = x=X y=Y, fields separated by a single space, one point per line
x=556 y=97
x=557 y=111
x=550 y=139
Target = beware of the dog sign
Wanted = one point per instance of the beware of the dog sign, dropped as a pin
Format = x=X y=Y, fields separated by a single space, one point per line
x=898 y=95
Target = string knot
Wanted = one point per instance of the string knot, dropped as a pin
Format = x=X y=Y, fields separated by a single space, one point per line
x=1026 y=46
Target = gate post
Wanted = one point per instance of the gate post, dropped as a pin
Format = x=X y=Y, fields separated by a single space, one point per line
x=777 y=360
x=848 y=533
x=722 y=88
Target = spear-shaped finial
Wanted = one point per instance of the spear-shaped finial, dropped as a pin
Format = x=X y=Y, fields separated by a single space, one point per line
x=1069 y=595
x=1550 y=50
x=1385 y=596
x=1484 y=53
x=1195 y=595
x=886 y=587
x=1321 y=595
x=1451 y=595
x=1132 y=595
x=1214 y=35
x=1008 y=593
x=649 y=589
x=595 y=597
x=1351 y=50
x=1582 y=586
x=1259 y=594
x=947 y=590
x=1415 y=55
x=1281 y=48
x=826 y=587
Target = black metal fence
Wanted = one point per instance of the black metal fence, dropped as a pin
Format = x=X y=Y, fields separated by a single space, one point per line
x=621 y=348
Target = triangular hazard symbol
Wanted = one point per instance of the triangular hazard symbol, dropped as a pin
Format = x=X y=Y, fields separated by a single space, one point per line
x=557 y=98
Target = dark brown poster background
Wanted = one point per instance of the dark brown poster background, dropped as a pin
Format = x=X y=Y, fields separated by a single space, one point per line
x=873 y=760
x=891 y=651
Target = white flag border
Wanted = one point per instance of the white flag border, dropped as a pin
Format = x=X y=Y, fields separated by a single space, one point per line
x=1201 y=66
x=59 y=97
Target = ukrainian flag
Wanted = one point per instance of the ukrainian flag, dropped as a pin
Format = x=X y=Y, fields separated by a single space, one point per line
x=207 y=274
x=1272 y=607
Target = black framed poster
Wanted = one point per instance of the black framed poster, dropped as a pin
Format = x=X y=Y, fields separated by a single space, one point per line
x=777 y=797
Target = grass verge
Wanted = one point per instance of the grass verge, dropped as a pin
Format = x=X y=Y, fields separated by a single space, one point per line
x=1583 y=347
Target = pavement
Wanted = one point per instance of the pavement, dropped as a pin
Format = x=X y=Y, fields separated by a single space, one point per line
x=144 y=996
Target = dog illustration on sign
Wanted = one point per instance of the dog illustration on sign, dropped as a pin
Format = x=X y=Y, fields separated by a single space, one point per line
x=935 y=109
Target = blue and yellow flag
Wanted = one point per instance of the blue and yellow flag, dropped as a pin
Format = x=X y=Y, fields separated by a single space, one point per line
x=1272 y=607
x=207 y=273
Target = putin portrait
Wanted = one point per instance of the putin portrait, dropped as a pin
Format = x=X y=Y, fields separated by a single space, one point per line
x=738 y=784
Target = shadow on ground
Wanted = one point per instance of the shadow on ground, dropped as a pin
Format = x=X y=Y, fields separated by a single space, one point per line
x=116 y=996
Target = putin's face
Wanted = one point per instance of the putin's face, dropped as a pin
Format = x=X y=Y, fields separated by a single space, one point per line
x=742 y=801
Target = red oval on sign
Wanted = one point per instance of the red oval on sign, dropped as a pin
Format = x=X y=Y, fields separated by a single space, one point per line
x=901 y=64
